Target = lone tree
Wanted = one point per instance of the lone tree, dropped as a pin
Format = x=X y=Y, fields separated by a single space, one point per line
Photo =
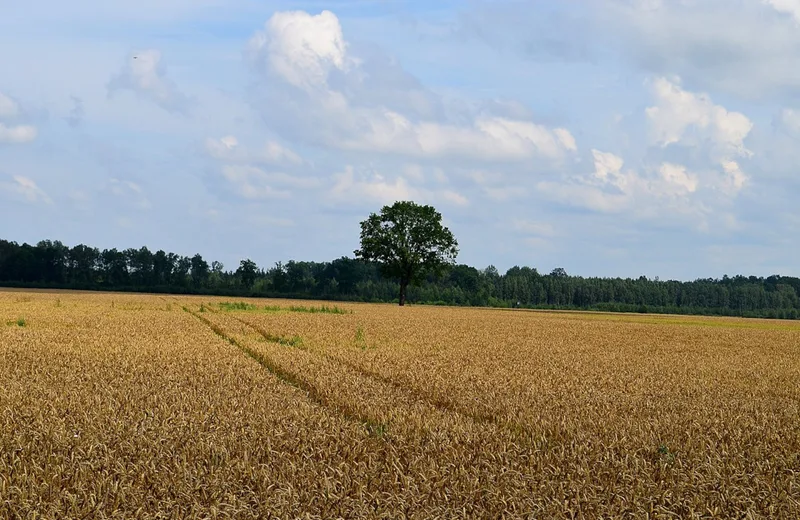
x=408 y=241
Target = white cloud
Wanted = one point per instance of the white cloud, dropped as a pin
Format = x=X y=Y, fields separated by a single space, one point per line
x=495 y=186
x=348 y=188
x=565 y=139
x=129 y=192
x=414 y=172
x=530 y=227
x=584 y=195
x=13 y=134
x=25 y=189
x=486 y=177
x=302 y=48
x=351 y=188
x=676 y=175
x=78 y=196
x=790 y=120
x=455 y=198
x=678 y=111
x=253 y=183
x=126 y=11
x=693 y=119
x=734 y=178
x=539 y=243
x=608 y=171
x=606 y=165
x=8 y=107
x=273 y=151
x=490 y=138
x=304 y=51
x=80 y=199
x=493 y=138
x=267 y=221
x=294 y=181
x=124 y=222
x=249 y=181
x=118 y=187
x=145 y=74
x=791 y=7
x=440 y=176
x=224 y=148
x=748 y=48
x=17 y=134
x=505 y=193
x=75 y=117
x=668 y=190
x=243 y=175
x=228 y=149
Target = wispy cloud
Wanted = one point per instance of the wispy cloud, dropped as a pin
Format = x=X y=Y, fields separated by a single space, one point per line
x=25 y=189
x=144 y=73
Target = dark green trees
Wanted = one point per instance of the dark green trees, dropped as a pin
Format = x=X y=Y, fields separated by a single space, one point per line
x=408 y=241
x=52 y=264
x=199 y=271
x=247 y=272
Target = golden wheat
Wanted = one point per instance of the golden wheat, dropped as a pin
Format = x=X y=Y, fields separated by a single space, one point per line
x=139 y=406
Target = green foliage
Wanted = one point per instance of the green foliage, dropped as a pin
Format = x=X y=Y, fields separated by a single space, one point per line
x=361 y=340
x=408 y=241
x=199 y=270
x=665 y=455
x=295 y=341
x=497 y=302
x=251 y=307
x=238 y=306
x=321 y=309
x=50 y=264
x=247 y=273
x=376 y=429
x=20 y=322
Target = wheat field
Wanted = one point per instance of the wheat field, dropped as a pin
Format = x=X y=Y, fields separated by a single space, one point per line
x=146 y=406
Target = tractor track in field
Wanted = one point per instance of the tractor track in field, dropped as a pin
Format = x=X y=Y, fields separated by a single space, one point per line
x=288 y=377
x=514 y=429
x=441 y=404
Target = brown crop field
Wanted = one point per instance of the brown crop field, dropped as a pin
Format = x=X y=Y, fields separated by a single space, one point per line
x=144 y=406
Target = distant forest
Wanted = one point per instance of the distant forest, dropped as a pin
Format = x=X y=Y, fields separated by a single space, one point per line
x=51 y=264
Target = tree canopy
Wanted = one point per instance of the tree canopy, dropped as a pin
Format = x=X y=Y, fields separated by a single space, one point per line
x=52 y=264
x=408 y=241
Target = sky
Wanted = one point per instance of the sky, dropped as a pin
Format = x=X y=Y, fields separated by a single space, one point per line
x=607 y=137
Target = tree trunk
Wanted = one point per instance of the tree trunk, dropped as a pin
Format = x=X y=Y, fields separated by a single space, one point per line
x=403 y=286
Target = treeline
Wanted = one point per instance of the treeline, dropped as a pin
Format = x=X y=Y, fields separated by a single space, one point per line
x=51 y=264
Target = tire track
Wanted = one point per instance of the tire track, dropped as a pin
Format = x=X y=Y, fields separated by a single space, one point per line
x=387 y=397
x=441 y=404
x=288 y=377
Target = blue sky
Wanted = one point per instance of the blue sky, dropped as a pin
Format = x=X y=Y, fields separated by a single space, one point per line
x=611 y=138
